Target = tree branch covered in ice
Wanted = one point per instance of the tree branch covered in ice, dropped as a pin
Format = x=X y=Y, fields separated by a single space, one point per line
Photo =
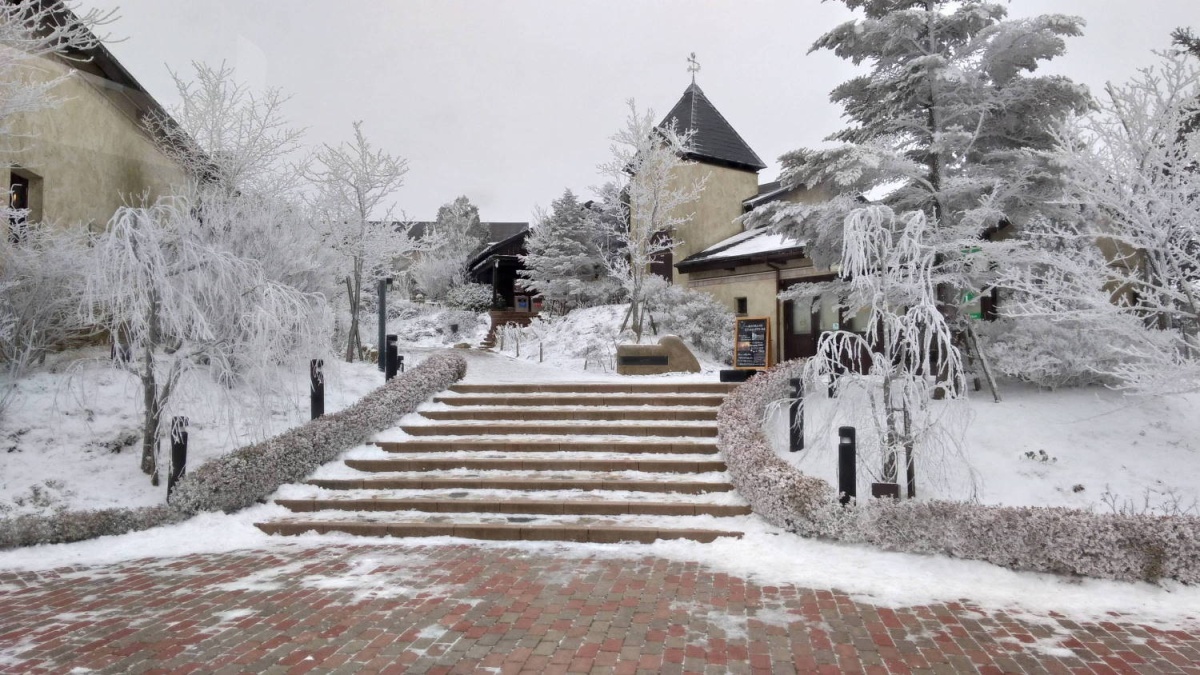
x=182 y=304
x=889 y=267
x=647 y=163
x=1127 y=263
x=353 y=183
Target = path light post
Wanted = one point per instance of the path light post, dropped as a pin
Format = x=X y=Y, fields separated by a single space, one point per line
x=796 y=416
x=393 y=357
x=179 y=447
x=847 y=471
x=316 y=387
x=383 y=286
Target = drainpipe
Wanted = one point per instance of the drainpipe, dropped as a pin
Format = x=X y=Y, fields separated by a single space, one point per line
x=778 y=314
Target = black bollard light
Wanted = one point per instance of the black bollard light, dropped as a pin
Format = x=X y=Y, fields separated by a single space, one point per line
x=381 y=356
x=393 y=357
x=847 y=471
x=796 y=417
x=179 y=443
x=316 y=387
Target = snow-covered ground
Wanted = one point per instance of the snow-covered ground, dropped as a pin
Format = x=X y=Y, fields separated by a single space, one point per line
x=583 y=341
x=1090 y=448
x=72 y=436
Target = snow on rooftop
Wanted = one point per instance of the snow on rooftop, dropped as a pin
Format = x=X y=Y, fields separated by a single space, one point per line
x=748 y=243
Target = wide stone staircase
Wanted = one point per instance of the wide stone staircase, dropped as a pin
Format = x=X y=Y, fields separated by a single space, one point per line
x=586 y=462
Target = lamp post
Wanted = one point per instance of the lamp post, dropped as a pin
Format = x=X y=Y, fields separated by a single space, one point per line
x=379 y=345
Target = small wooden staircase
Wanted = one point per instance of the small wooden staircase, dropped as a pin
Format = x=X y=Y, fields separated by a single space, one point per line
x=584 y=462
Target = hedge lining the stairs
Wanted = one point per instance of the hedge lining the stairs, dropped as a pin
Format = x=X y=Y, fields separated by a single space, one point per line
x=1041 y=539
x=247 y=475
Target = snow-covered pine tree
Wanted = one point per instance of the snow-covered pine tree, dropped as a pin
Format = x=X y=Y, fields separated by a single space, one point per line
x=448 y=245
x=945 y=122
x=565 y=260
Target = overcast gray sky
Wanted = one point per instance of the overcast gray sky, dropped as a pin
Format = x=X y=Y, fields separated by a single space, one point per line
x=510 y=102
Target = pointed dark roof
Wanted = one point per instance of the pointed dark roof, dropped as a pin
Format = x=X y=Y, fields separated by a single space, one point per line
x=713 y=138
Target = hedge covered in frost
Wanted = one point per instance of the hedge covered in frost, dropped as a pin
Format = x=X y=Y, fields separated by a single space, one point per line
x=1041 y=539
x=247 y=475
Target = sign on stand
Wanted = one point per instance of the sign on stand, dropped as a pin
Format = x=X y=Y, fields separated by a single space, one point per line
x=752 y=342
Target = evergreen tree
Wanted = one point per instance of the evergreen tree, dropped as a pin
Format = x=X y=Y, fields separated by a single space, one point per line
x=565 y=261
x=947 y=121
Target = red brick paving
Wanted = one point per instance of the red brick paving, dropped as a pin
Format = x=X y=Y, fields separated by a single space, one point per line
x=454 y=609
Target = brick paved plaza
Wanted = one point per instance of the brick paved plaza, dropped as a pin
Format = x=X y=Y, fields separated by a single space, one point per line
x=466 y=608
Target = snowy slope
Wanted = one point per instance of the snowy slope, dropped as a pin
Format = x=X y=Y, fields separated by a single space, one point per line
x=56 y=440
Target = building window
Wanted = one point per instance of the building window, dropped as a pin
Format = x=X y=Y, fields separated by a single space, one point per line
x=741 y=306
x=24 y=201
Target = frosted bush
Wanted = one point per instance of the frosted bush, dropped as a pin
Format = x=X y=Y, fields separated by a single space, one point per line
x=1049 y=354
x=431 y=323
x=470 y=297
x=1058 y=540
x=698 y=318
x=248 y=474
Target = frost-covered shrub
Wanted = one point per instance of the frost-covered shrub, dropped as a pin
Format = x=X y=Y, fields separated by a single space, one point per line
x=1050 y=354
x=470 y=297
x=1058 y=540
x=697 y=317
x=248 y=474
x=431 y=324
x=67 y=526
x=241 y=478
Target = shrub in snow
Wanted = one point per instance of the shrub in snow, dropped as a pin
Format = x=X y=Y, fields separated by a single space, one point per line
x=431 y=324
x=1049 y=354
x=470 y=297
x=249 y=474
x=68 y=526
x=698 y=318
x=1058 y=540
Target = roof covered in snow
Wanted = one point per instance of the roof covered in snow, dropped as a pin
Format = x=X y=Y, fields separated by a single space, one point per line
x=713 y=138
x=745 y=248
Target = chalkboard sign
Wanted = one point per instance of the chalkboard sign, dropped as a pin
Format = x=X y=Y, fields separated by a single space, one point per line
x=752 y=342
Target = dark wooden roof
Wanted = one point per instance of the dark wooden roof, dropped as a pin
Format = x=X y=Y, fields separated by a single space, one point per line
x=713 y=138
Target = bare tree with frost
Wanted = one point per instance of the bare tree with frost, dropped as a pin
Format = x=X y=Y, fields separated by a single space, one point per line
x=889 y=267
x=159 y=280
x=243 y=137
x=353 y=183
x=646 y=165
x=29 y=33
x=1127 y=264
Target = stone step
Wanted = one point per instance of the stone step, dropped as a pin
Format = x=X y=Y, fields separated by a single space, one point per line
x=597 y=388
x=524 y=484
x=592 y=507
x=599 y=534
x=502 y=464
x=583 y=400
x=565 y=445
x=610 y=414
x=516 y=429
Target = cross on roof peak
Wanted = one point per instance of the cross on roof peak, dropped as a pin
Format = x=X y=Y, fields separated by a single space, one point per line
x=693 y=66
